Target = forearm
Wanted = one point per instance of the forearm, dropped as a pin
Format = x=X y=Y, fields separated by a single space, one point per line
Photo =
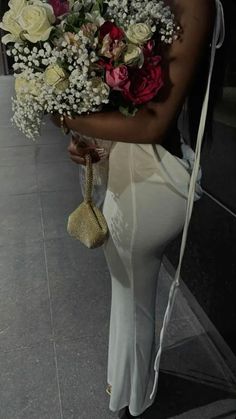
x=140 y=128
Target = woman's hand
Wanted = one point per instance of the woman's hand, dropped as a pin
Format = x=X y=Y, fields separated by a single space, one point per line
x=77 y=150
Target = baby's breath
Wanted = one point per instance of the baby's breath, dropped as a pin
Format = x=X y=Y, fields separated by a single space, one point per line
x=84 y=89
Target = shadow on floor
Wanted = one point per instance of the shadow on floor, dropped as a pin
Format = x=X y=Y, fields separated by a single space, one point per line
x=178 y=396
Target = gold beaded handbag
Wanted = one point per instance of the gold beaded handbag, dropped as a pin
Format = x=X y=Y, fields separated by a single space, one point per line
x=87 y=223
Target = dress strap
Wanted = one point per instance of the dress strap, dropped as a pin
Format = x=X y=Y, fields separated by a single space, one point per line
x=217 y=41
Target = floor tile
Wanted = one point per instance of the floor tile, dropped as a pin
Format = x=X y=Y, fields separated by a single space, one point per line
x=56 y=176
x=51 y=134
x=7 y=86
x=24 y=300
x=80 y=289
x=10 y=136
x=82 y=378
x=19 y=179
x=5 y=114
x=69 y=257
x=47 y=153
x=57 y=207
x=21 y=156
x=20 y=218
x=28 y=384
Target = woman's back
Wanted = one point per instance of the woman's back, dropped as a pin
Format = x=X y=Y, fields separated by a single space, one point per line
x=187 y=13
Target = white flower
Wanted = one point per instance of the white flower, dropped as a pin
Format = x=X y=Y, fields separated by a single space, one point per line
x=16 y=6
x=36 y=21
x=133 y=55
x=100 y=87
x=24 y=86
x=10 y=24
x=31 y=21
x=55 y=76
x=77 y=89
x=139 y=33
x=10 y=21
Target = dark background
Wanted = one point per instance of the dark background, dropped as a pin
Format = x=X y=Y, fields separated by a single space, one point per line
x=209 y=265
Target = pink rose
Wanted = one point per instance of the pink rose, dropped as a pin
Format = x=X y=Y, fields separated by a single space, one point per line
x=118 y=78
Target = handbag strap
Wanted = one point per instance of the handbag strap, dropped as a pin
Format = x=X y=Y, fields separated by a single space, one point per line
x=88 y=178
x=217 y=41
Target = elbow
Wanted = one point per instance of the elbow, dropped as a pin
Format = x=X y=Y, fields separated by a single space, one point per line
x=154 y=133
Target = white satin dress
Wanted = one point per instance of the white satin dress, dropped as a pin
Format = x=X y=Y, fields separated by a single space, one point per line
x=147 y=204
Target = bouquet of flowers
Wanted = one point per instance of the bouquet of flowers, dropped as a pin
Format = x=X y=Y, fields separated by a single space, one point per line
x=81 y=56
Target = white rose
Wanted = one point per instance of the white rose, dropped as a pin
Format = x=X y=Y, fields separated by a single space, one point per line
x=16 y=6
x=139 y=33
x=35 y=20
x=133 y=55
x=9 y=24
x=56 y=77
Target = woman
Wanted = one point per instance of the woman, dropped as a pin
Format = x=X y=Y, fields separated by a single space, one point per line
x=145 y=205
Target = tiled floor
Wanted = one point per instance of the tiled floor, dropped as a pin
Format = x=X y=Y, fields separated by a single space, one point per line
x=55 y=303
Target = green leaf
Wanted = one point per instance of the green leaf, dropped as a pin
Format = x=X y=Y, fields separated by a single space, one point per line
x=128 y=111
x=56 y=33
x=98 y=6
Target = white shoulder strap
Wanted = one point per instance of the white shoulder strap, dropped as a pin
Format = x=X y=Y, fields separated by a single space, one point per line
x=217 y=41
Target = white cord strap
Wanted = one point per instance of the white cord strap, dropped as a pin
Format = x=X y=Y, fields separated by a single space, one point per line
x=217 y=41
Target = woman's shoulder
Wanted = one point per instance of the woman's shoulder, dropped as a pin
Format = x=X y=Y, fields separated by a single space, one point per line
x=196 y=19
x=200 y=12
x=182 y=59
x=189 y=6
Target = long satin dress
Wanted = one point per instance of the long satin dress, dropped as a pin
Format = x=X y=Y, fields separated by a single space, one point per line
x=145 y=207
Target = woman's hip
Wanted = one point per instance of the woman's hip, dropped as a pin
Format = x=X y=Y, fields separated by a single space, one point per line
x=140 y=204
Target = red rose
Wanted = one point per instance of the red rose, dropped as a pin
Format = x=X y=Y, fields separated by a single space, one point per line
x=59 y=7
x=145 y=82
x=101 y=63
x=148 y=48
x=111 y=29
x=118 y=78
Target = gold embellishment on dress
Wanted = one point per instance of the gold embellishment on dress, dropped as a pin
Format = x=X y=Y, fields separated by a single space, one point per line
x=108 y=389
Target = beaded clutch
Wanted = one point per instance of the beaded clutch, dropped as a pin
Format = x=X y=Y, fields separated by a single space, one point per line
x=87 y=223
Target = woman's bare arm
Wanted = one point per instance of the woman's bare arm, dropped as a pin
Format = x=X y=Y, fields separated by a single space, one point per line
x=180 y=62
